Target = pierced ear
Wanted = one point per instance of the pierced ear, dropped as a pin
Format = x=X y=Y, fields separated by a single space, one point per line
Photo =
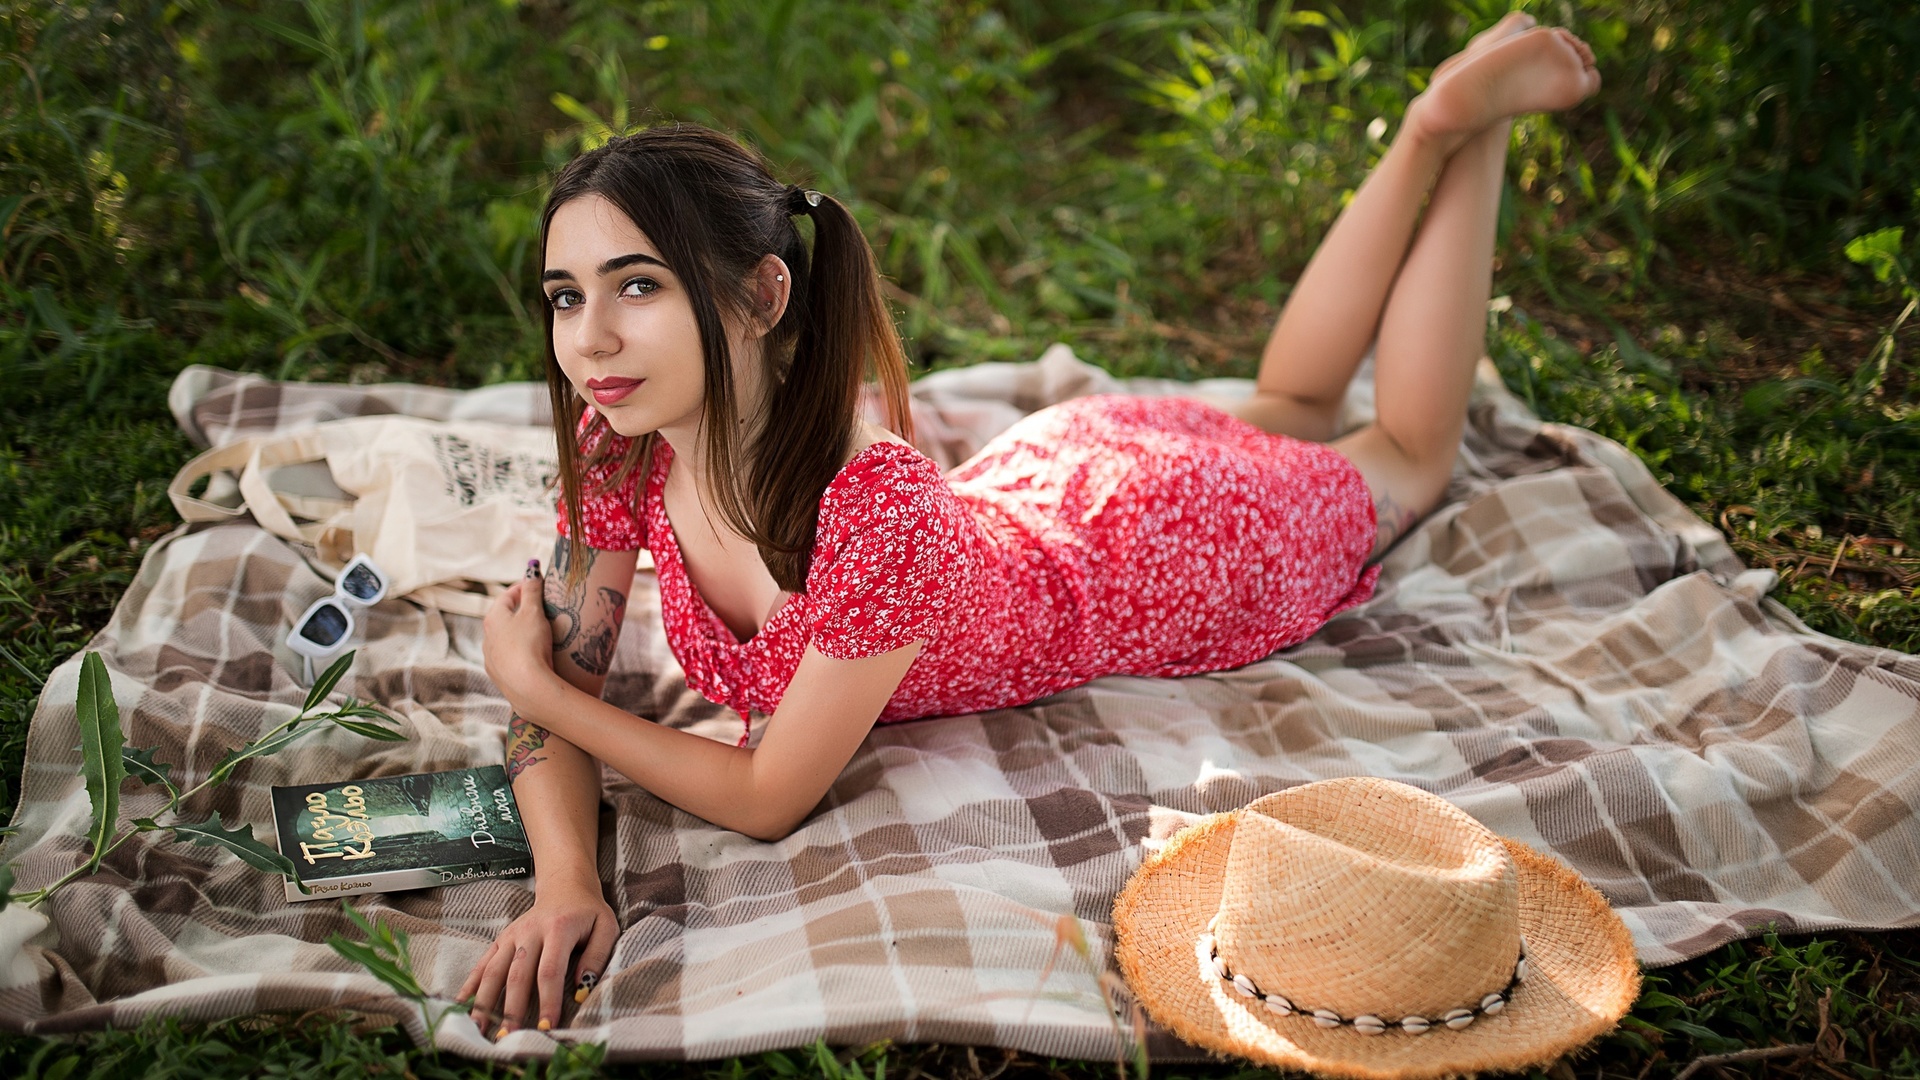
x=773 y=289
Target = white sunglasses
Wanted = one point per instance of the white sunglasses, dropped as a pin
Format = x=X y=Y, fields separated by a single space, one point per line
x=327 y=624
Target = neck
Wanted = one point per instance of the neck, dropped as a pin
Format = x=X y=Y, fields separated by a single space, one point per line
x=688 y=437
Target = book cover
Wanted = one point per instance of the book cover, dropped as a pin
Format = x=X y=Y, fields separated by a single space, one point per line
x=401 y=832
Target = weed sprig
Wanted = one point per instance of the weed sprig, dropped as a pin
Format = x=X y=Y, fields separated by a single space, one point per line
x=107 y=762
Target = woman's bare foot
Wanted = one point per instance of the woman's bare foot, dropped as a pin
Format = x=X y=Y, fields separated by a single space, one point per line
x=1510 y=24
x=1541 y=69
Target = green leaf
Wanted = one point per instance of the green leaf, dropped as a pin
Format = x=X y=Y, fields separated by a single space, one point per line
x=240 y=841
x=575 y=111
x=1705 y=1036
x=141 y=766
x=6 y=885
x=366 y=957
x=384 y=955
x=1654 y=999
x=328 y=679
x=1878 y=251
x=100 y=747
x=365 y=711
x=272 y=744
x=371 y=731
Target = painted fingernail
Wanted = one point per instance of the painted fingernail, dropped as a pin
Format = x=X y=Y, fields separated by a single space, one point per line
x=502 y=1033
x=546 y=1024
x=533 y=568
x=588 y=980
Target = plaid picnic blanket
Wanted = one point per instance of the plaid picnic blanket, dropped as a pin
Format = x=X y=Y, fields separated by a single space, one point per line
x=1562 y=650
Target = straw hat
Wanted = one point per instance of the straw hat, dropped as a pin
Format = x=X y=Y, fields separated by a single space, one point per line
x=1363 y=928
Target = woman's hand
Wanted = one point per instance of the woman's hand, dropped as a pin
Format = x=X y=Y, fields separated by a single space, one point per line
x=518 y=643
x=535 y=950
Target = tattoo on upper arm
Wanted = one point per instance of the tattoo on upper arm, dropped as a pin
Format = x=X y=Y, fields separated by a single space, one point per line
x=566 y=590
x=588 y=643
x=524 y=740
x=1393 y=520
x=595 y=654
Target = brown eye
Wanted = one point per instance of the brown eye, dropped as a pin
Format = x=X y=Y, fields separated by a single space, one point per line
x=563 y=299
x=640 y=286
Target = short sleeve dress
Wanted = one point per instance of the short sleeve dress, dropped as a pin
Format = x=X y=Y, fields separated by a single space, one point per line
x=1105 y=535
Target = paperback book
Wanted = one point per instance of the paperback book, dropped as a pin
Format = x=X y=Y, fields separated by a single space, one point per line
x=400 y=832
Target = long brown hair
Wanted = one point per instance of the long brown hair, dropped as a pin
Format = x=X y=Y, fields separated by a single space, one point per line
x=713 y=208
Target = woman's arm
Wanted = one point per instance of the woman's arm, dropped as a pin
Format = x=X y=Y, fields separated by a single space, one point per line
x=557 y=787
x=556 y=784
x=766 y=792
x=828 y=708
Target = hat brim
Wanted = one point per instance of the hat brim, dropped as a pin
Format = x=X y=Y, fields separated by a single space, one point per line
x=1582 y=977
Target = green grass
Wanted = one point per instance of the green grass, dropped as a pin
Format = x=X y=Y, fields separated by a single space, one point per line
x=1854 y=1002
x=348 y=190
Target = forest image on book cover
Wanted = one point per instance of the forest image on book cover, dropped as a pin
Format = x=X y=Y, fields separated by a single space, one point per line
x=401 y=832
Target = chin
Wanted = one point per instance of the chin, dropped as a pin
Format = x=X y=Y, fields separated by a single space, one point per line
x=629 y=423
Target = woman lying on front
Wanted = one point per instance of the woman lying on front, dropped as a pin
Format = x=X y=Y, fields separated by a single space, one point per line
x=706 y=368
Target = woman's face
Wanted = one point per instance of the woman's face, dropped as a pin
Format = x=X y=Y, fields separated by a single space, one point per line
x=623 y=326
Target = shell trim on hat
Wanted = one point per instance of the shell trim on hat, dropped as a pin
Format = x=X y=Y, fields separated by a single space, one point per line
x=1491 y=1004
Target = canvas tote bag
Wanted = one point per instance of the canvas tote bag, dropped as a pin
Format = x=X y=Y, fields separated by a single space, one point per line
x=451 y=511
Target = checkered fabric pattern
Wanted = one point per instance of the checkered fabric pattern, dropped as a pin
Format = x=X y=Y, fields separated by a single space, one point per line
x=1562 y=650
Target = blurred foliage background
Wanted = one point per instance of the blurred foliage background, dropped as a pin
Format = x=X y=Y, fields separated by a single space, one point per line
x=1713 y=261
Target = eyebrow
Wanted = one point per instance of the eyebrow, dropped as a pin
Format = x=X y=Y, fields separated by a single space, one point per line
x=618 y=262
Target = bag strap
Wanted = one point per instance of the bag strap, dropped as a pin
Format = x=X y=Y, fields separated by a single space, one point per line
x=249 y=460
x=269 y=510
x=231 y=458
x=455 y=601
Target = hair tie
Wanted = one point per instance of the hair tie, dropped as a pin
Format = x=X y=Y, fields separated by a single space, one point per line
x=801 y=200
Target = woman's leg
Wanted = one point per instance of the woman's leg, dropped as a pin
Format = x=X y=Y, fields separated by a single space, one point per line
x=1334 y=312
x=1430 y=309
x=1432 y=335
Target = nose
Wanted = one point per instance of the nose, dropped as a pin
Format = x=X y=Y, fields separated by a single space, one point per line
x=594 y=332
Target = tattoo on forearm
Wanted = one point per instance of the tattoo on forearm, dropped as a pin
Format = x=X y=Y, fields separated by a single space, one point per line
x=524 y=740
x=1393 y=520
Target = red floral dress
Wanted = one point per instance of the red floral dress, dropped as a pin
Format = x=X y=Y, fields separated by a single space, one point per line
x=1104 y=535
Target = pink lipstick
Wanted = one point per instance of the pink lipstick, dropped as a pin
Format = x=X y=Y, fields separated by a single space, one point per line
x=610 y=390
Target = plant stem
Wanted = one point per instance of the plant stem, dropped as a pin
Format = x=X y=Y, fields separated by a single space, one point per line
x=1884 y=351
x=38 y=897
x=35 y=899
